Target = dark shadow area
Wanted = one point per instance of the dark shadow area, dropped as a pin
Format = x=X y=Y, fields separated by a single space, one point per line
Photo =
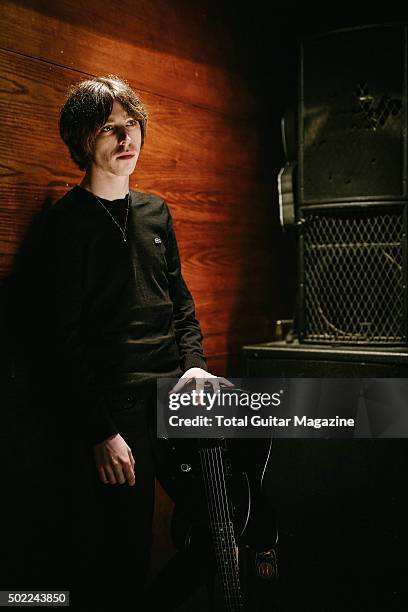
x=31 y=512
x=340 y=507
x=339 y=504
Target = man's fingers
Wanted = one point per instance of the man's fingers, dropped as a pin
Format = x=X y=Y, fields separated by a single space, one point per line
x=110 y=474
x=226 y=382
x=102 y=475
x=118 y=469
x=180 y=384
x=214 y=383
x=130 y=474
x=201 y=379
x=200 y=384
x=118 y=474
x=114 y=461
x=132 y=461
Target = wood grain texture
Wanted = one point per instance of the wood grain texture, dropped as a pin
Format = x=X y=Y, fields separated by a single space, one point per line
x=186 y=28
x=102 y=38
x=199 y=162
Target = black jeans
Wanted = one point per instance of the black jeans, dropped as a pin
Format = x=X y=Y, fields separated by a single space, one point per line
x=111 y=525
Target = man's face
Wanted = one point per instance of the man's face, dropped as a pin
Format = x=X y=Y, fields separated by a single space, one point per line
x=117 y=144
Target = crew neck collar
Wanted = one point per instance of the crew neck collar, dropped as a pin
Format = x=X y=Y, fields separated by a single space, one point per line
x=104 y=200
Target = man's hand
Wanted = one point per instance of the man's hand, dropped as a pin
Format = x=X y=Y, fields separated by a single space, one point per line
x=200 y=377
x=114 y=461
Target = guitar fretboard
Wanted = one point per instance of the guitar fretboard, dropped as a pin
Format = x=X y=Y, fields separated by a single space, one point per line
x=222 y=528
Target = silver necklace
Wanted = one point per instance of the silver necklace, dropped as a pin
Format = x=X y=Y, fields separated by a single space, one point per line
x=122 y=231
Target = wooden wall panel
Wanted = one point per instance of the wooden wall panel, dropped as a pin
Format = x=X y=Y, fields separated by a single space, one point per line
x=174 y=28
x=86 y=39
x=197 y=159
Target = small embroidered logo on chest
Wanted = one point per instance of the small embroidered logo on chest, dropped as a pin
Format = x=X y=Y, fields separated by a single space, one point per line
x=157 y=241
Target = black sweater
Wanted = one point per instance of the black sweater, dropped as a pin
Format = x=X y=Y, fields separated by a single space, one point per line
x=120 y=312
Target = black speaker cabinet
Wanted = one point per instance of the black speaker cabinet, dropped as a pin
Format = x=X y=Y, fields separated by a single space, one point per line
x=353 y=116
x=352 y=191
x=279 y=359
x=340 y=504
x=353 y=274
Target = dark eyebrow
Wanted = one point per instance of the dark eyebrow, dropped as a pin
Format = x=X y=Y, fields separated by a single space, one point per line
x=112 y=119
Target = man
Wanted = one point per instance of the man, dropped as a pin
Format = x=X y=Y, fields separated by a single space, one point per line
x=120 y=315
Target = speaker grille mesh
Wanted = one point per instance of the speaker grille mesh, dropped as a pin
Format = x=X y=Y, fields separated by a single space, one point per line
x=353 y=275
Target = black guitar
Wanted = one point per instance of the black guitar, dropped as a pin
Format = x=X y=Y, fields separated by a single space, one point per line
x=222 y=515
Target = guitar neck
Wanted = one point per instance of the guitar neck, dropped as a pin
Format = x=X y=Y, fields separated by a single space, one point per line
x=222 y=528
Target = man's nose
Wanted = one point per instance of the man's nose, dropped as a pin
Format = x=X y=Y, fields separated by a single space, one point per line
x=123 y=135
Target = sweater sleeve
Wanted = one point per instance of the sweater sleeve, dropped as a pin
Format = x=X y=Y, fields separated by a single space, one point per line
x=187 y=328
x=63 y=258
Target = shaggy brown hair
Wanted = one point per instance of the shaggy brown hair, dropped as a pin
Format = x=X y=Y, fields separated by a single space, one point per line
x=87 y=108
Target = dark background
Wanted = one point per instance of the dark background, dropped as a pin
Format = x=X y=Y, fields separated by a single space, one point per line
x=339 y=503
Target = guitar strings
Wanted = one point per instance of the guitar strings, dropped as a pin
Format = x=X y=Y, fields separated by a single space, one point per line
x=230 y=529
x=212 y=464
x=211 y=498
x=213 y=502
x=217 y=510
x=221 y=519
x=229 y=535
